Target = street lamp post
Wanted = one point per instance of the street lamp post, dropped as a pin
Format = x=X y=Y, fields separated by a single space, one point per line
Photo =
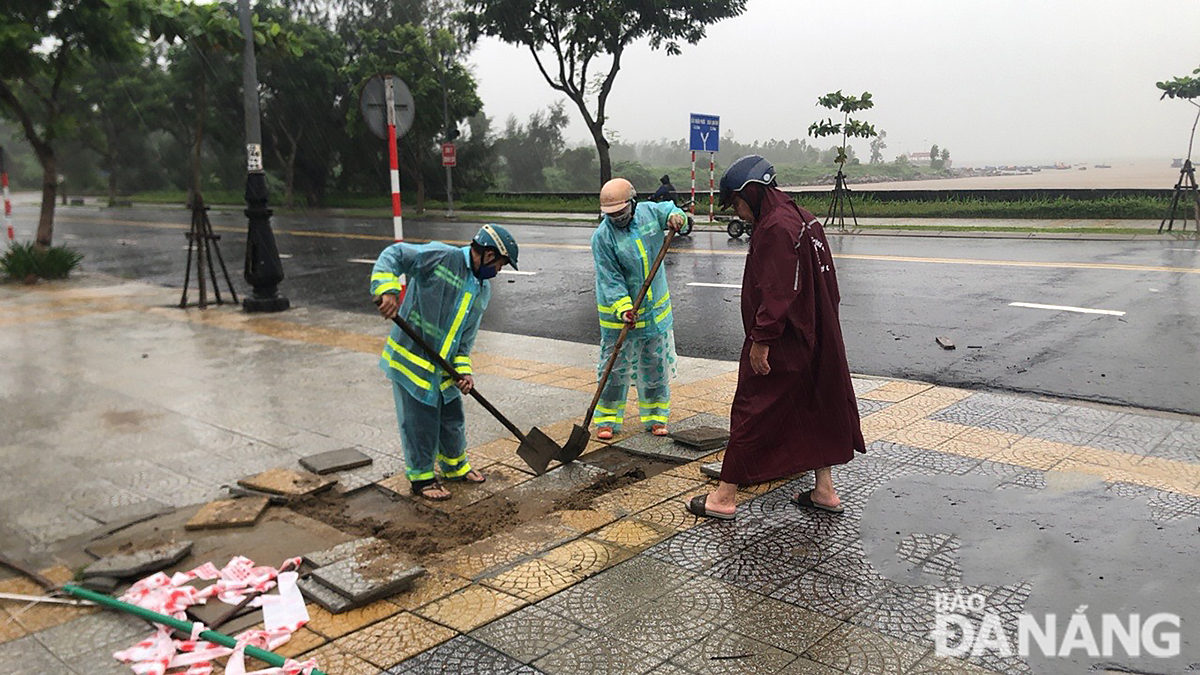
x=263 y=270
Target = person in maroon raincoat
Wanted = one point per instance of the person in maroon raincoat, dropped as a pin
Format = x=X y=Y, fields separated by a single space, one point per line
x=794 y=410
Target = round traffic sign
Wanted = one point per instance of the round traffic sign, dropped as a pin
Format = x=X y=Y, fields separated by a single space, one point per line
x=373 y=103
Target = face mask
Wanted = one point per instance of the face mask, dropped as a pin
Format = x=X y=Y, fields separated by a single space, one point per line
x=622 y=218
x=486 y=270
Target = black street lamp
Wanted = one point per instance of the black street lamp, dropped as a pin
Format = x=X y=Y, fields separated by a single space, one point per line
x=264 y=270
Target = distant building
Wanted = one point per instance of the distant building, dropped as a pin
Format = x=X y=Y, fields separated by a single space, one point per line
x=919 y=158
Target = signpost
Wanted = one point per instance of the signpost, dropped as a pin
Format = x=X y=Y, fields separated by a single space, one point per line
x=7 y=203
x=449 y=156
x=388 y=110
x=706 y=137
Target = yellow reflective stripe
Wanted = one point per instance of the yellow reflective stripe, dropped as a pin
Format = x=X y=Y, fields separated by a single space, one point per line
x=619 y=326
x=424 y=384
x=383 y=276
x=654 y=418
x=600 y=420
x=446 y=275
x=416 y=360
x=462 y=359
x=447 y=383
x=418 y=475
x=664 y=314
x=655 y=404
x=464 y=370
x=619 y=306
x=459 y=472
x=662 y=300
x=452 y=461
x=458 y=319
x=388 y=286
x=645 y=268
x=610 y=411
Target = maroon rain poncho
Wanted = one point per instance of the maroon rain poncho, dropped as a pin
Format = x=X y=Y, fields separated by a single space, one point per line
x=802 y=415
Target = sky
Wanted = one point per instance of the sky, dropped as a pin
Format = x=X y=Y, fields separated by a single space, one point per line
x=994 y=81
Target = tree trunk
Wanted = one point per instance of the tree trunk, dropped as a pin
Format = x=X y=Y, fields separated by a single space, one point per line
x=603 y=153
x=201 y=109
x=289 y=179
x=112 y=182
x=45 y=231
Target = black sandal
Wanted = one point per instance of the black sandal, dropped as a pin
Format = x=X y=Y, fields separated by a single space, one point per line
x=465 y=478
x=696 y=508
x=420 y=490
x=804 y=499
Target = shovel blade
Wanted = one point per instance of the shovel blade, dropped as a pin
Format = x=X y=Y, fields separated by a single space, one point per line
x=576 y=444
x=537 y=450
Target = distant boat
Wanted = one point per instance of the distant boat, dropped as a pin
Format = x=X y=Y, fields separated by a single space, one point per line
x=1083 y=168
x=1177 y=164
x=1103 y=166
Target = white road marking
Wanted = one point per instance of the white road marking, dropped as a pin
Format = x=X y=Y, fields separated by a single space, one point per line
x=285 y=256
x=518 y=273
x=1192 y=250
x=1064 y=308
x=707 y=285
x=362 y=261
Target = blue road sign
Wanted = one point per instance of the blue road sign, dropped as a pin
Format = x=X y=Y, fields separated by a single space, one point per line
x=706 y=133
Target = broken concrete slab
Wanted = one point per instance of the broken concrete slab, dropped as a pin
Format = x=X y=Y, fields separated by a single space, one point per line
x=335 y=460
x=326 y=597
x=372 y=574
x=558 y=482
x=105 y=585
x=701 y=438
x=945 y=342
x=287 y=482
x=224 y=513
x=124 y=566
x=711 y=469
x=665 y=448
x=340 y=552
x=239 y=491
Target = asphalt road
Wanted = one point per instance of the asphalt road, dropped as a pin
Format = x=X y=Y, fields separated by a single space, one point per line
x=898 y=295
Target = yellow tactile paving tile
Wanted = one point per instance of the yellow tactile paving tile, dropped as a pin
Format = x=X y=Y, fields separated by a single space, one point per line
x=41 y=616
x=943 y=394
x=9 y=629
x=1157 y=466
x=667 y=486
x=632 y=534
x=393 y=640
x=627 y=501
x=669 y=515
x=331 y=659
x=913 y=437
x=533 y=580
x=303 y=640
x=435 y=584
x=586 y=520
x=997 y=439
x=470 y=608
x=1106 y=458
x=1028 y=456
x=957 y=446
x=935 y=428
x=896 y=391
x=337 y=625
x=585 y=556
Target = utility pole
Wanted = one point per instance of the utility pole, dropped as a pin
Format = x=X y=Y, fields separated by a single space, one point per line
x=263 y=270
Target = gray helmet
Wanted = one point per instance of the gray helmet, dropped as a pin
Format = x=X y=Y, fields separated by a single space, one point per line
x=748 y=169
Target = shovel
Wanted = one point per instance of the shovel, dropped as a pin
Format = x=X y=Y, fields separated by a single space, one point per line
x=579 y=433
x=536 y=449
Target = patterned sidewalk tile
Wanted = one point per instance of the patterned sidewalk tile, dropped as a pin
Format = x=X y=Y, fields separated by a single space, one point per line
x=861 y=651
x=460 y=655
x=611 y=594
x=586 y=556
x=332 y=659
x=528 y=633
x=727 y=652
x=337 y=625
x=434 y=585
x=828 y=595
x=393 y=640
x=533 y=580
x=596 y=654
x=631 y=534
x=470 y=608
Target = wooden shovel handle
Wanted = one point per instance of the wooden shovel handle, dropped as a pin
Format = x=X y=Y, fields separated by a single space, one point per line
x=445 y=365
x=637 y=304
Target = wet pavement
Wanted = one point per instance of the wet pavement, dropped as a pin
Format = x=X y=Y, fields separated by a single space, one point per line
x=116 y=404
x=899 y=293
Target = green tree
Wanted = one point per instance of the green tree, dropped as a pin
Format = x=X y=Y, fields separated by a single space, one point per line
x=44 y=44
x=528 y=150
x=570 y=40
x=1188 y=89
x=877 y=147
x=945 y=158
x=935 y=161
x=847 y=128
x=407 y=52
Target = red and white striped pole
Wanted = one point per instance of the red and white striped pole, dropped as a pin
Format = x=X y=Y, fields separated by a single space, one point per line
x=693 y=207
x=712 y=161
x=393 y=160
x=7 y=203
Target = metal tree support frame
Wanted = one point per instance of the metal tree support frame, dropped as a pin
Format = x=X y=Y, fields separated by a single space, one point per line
x=837 y=206
x=1185 y=186
x=204 y=242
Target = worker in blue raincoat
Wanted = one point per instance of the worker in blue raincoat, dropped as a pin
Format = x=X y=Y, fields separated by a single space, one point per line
x=446 y=294
x=624 y=246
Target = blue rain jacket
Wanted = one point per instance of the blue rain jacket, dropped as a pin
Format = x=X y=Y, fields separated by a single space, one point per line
x=623 y=258
x=444 y=301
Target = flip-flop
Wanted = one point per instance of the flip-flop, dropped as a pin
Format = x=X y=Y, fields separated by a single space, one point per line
x=804 y=499
x=604 y=433
x=659 y=430
x=465 y=478
x=420 y=492
x=696 y=508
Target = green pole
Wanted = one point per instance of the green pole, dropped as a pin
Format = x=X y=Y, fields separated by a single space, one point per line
x=171 y=622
